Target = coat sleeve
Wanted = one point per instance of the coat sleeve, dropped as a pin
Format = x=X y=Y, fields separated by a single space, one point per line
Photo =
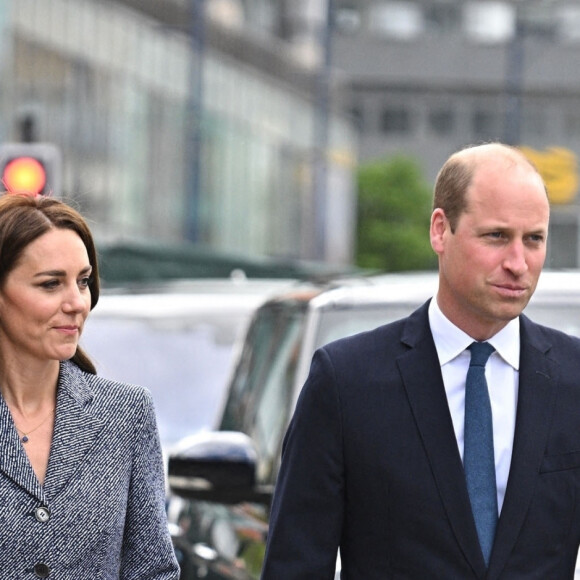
x=308 y=505
x=147 y=549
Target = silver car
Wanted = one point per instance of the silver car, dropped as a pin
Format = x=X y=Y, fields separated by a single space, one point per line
x=225 y=479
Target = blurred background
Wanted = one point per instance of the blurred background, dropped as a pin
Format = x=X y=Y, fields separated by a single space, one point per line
x=224 y=150
x=292 y=129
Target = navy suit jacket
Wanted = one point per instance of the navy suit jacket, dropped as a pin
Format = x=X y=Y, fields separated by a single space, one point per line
x=103 y=495
x=371 y=465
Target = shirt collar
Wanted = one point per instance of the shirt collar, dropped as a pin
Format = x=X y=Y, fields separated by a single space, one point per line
x=450 y=341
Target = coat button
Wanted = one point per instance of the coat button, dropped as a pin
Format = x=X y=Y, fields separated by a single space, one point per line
x=41 y=570
x=42 y=514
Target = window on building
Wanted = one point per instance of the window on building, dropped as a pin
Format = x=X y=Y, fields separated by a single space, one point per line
x=442 y=121
x=347 y=19
x=537 y=20
x=401 y=19
x=395 y=120
x=442 y=17
x=562 y=245
x=484 y=125
x=357 y=116
x=489 y=21
x=572 y=124
x=534 y=123
x=568 y=23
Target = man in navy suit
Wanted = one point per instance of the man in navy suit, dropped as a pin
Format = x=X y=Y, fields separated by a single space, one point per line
x=373 y=460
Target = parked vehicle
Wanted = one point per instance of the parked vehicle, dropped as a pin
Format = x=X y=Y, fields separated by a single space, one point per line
x=225 y=479
x=177 y=338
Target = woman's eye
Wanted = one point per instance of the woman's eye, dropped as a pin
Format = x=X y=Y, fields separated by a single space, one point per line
x=50 y=284
x=85 y=282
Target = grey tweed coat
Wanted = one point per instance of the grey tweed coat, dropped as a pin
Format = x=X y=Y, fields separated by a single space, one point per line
x=100 y=513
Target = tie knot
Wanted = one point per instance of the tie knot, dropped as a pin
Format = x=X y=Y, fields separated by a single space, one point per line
x=480 y=352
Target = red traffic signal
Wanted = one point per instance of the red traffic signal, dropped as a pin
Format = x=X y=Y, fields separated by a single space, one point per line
x=32 y=168
x=24 y=175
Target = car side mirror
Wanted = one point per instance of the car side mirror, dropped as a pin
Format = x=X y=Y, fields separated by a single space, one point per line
x=217 y=466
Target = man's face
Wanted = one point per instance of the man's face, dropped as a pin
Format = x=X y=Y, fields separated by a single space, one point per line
x=490 y=265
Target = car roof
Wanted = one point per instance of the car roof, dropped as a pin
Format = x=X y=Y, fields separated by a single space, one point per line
x=412 y=288
x=188 y=298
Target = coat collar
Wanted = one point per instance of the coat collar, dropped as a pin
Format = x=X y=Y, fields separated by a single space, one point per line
x=421 y=374
x=75 y=432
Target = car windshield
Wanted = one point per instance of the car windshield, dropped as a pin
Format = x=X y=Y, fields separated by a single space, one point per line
x=185 y=364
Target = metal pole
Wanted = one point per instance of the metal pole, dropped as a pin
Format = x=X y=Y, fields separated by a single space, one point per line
x=514 y=86
x=195 y=114
x=321 y=125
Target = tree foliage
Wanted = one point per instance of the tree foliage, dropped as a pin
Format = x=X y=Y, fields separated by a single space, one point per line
x=394 y=209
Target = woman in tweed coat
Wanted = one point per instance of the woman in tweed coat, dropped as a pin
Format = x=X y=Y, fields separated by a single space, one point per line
x=81 y=473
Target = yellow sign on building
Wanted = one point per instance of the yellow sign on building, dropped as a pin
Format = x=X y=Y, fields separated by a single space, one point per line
x=558 y=167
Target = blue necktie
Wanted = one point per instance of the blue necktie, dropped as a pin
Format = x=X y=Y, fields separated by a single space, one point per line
x=478 y=456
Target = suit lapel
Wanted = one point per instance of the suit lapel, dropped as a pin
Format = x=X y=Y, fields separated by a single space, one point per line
x=538 y=375
x=421 y=373
x=76 y=429
x=536 y=396
x=13 y=459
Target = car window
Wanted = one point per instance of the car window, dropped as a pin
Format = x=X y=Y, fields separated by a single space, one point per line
x=272 y=405
x=185 y=366
x=252 y=363
x=263 y=382
x=563 y=316
x=338 y=323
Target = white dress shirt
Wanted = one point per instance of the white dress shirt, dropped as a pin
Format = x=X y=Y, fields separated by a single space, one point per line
x=502 y=374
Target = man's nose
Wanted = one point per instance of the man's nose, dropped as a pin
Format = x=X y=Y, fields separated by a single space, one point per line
x=515 y=259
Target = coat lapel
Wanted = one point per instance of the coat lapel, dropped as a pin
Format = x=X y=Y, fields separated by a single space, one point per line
x=76 y=429
x=421 y=373
x=13 y=459
x=536 y=397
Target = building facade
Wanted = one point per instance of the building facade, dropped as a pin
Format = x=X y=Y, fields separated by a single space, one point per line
x=238 y=124
x=176 y=121
x=428 y=77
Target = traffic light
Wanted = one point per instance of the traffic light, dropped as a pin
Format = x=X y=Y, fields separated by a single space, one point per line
x=33 y=168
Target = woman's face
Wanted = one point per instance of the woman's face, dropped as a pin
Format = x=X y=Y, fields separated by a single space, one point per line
x=45 y=299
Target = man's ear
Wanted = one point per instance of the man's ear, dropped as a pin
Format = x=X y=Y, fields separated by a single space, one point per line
x=439 y=227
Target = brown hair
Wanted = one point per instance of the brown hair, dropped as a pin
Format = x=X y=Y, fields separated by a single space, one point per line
x=451 y=184
x=23 y=219
x=456 y=175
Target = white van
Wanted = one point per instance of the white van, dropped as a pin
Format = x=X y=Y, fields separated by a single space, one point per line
x=177 y=339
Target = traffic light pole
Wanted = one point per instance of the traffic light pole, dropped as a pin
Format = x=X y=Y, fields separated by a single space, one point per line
x=321 y=131
x=195 y=114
